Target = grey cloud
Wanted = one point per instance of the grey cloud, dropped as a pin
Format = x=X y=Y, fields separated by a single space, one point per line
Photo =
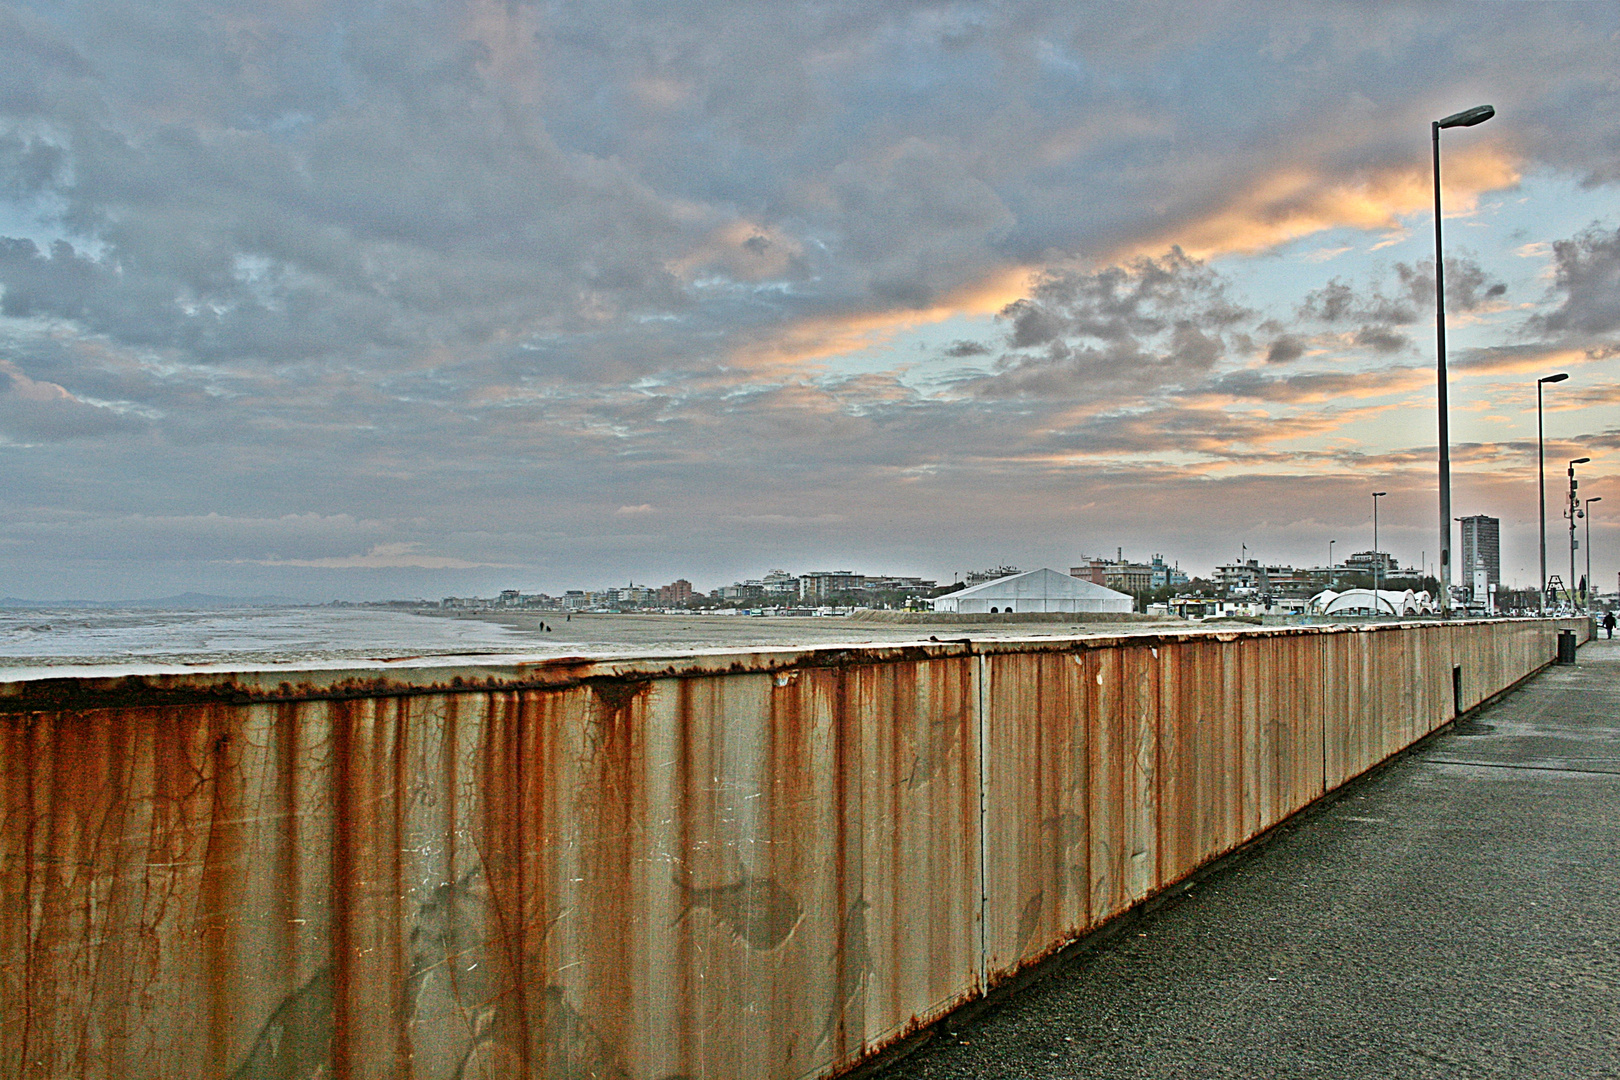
x=36 y=65
x=967 y=348
x=1380 y=339
x=1468 y=288
x=918 y=218
x=1141 y=298
x=1032 y=324
x=1331 y=303
x=1149 y=323
x=60 y=282
x=1588 y=278
x=1338 y=302
x=29 y=166
x=1285 y=349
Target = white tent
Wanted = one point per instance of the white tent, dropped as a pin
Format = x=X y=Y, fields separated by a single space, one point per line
x=1036 y=590
x=1361 y=601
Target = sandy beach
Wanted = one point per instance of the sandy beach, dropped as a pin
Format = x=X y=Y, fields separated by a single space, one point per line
x=646 y=635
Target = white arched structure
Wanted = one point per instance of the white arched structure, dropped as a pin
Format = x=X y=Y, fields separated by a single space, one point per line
x=1367 y=602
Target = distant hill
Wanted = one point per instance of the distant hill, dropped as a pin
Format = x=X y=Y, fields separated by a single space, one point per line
x=189 y=601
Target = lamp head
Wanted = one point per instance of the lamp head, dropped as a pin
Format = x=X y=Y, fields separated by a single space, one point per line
x=1560 y=377
x=1468 y=117
x=1580 y=461
x=1378 y=493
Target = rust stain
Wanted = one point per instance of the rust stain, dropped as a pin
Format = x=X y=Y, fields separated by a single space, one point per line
x=221 y=868
x=686 y=796
x=344 y=888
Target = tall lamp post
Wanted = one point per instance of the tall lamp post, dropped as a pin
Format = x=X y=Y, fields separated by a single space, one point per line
x=1573 y=512
x=1378 y=558
x=1467 y=118
x=1330 y=560
x=1588 y=514
x=1541 y=478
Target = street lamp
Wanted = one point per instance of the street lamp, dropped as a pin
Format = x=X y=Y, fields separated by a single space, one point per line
x=1467 y=118
x=1377 y=558
x=1572 y=513
x=1588 y=513
x=1541 y=476
x=1330 y=559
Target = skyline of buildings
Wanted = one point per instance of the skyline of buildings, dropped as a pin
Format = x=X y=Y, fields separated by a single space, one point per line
x=1249 y=578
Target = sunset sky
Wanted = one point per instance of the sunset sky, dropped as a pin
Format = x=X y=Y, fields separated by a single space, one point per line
x=366 y=300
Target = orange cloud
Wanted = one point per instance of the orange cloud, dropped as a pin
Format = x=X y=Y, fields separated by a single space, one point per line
x=808 y=340
x=1297 y=202
x=1516 y=360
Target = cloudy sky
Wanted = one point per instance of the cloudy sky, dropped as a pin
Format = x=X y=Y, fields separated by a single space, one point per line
x=378 y=299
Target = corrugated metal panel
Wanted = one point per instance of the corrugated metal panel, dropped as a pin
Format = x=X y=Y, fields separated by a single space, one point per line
x=759 y=865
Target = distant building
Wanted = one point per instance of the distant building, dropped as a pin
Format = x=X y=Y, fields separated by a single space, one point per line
x=1364 y=561
x=900 y=584
x=631 y=596
x=1246 y=578
x=1132 y=577
x=1037 y=590
x=1092 y=570
x=978 y=577
x=1251 y=577
x=676 y=594
x=1166 y=575
x=1482 y=548
x=819 y=586
x=780 y=585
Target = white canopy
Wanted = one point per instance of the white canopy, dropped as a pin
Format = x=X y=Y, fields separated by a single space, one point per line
x=1036 y=590
x=1362 y=601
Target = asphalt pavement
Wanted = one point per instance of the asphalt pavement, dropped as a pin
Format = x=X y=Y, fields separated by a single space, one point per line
x=1455 y=914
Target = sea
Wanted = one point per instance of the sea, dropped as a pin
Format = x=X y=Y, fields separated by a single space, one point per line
x=142 y=639
x=48 y=642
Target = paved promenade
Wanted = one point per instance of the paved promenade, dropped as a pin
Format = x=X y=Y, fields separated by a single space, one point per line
x=1456 y=915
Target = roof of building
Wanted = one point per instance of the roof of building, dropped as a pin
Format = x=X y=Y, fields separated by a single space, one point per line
x=1046 y=583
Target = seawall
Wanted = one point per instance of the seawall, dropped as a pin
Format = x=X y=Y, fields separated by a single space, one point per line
x=768 y=864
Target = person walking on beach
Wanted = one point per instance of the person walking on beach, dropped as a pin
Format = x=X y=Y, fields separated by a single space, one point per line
x=1608 y=623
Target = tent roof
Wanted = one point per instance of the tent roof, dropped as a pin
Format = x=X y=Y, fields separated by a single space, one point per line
x=1043 y=583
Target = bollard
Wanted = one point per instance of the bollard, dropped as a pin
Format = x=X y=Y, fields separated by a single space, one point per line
x=1566 y=646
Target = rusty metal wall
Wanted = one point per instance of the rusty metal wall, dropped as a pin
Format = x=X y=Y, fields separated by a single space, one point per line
x=764 y=865
x=1115 y=770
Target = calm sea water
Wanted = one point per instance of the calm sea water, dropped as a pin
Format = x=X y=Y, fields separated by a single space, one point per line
x=256 y=636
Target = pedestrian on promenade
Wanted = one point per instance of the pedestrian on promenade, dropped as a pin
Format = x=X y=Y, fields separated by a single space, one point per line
x=1608 y=623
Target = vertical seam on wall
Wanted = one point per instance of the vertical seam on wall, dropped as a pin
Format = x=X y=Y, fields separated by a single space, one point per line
x=1322 y=704
x=984 y=878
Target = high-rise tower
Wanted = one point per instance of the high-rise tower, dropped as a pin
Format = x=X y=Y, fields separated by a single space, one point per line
x=1482 y=546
